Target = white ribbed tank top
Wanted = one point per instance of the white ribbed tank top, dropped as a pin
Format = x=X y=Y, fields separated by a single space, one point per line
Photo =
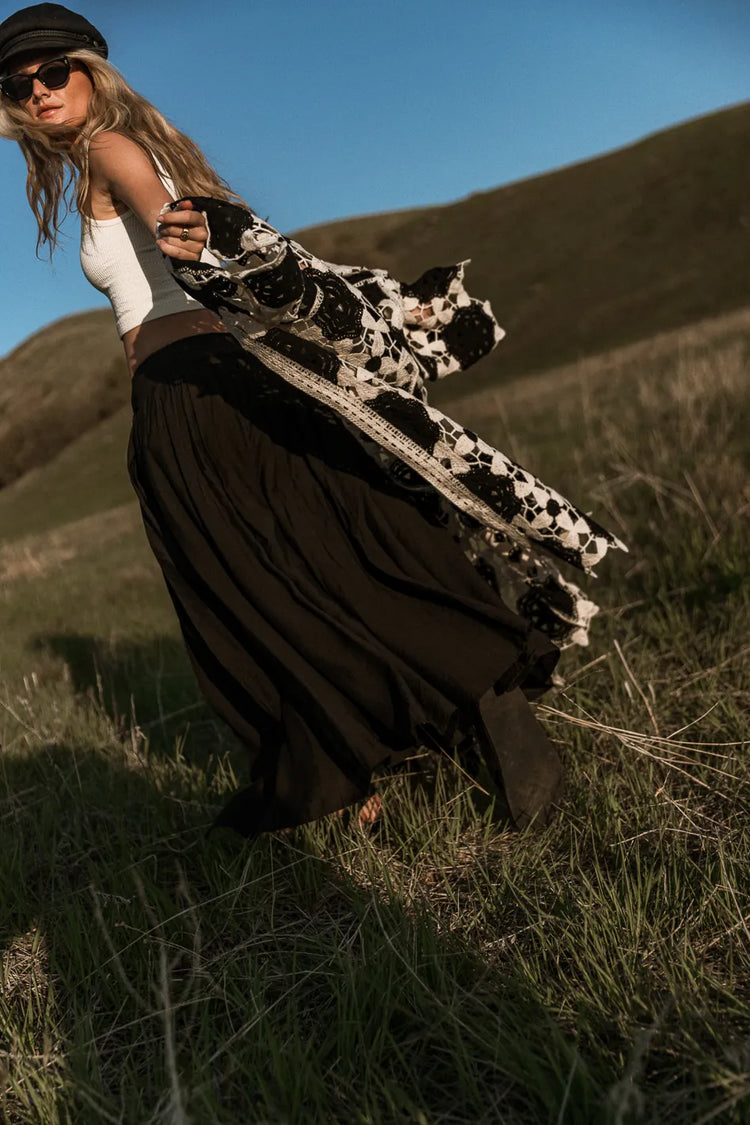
x=121 y=259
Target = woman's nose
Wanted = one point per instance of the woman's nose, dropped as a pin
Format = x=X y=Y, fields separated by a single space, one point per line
x=38 y=90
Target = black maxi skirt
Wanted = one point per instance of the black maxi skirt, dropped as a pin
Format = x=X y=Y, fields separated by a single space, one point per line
x=331 y=619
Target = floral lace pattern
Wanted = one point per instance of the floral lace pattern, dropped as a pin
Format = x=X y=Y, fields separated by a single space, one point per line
x=367 y=346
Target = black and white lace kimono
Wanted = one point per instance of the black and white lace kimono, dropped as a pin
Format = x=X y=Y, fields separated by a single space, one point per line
x=367 y=346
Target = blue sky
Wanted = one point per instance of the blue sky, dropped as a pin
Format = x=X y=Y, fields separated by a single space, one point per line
x=321 y=109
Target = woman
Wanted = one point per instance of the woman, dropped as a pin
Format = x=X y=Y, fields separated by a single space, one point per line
x=314 y=519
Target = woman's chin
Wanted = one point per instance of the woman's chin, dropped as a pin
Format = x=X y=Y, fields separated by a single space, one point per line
x=59 y=127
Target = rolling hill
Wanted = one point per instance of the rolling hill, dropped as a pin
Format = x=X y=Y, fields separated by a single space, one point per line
x=595 y=255
x=600 y=254
x=55 y=386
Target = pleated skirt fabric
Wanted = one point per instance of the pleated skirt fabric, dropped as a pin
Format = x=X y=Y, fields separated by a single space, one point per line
x=331 y=619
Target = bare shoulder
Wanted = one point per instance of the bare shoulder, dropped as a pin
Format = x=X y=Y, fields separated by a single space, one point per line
x=122 y=177
x=111 y=152
x=110 y=141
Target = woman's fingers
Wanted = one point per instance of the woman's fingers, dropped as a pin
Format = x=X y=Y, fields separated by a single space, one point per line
x=192 y=221
x=182 y=233
x=178 y=250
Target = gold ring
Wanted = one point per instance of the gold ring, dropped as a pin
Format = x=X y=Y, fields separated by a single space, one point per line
x=185 y=234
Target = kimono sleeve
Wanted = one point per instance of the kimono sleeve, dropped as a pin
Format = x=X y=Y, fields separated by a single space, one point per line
x=251 y=268
x=405 y=334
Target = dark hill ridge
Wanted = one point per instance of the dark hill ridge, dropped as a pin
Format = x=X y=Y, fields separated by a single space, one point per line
x=575 y=262
x=55 y=386
x=595 y=255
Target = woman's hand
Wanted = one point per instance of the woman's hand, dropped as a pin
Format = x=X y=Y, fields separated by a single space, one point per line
x=181 y=233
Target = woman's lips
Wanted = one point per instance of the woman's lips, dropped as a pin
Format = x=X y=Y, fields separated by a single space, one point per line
x=48 y=111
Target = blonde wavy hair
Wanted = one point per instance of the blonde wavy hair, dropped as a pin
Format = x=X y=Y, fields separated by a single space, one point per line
x=57 y=156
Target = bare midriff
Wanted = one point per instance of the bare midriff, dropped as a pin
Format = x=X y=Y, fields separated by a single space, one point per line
x=147 y=338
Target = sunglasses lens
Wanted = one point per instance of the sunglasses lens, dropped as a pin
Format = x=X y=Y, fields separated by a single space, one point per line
x=18 y=87
x=53 y=75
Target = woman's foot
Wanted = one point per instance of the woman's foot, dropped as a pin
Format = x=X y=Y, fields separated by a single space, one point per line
x=370 y=812
x=368 y=815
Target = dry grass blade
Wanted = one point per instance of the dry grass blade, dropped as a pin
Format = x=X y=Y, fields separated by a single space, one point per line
x=647 y=745
x=638 y=688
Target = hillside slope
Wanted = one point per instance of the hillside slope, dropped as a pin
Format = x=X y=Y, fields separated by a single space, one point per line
x=600 y=254
x=55 y=386
x=89 y=477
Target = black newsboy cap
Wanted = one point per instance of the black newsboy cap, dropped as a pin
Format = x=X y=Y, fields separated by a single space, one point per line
x=45 y=27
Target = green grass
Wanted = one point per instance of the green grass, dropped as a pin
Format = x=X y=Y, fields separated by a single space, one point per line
x=445 y=970
x=86 y=477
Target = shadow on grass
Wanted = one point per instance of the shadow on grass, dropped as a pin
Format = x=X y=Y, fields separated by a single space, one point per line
x=149 y=967
x=150 y=684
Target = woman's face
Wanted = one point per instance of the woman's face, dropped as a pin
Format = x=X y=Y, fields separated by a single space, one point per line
x=68 y=105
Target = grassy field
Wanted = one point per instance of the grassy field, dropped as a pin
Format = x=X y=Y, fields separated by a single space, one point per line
x=445 y=970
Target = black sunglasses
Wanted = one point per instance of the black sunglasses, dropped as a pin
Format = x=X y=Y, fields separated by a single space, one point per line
x=53 y=74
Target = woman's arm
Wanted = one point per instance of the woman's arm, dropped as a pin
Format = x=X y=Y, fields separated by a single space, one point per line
x=121 y=167
x=259 y=272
